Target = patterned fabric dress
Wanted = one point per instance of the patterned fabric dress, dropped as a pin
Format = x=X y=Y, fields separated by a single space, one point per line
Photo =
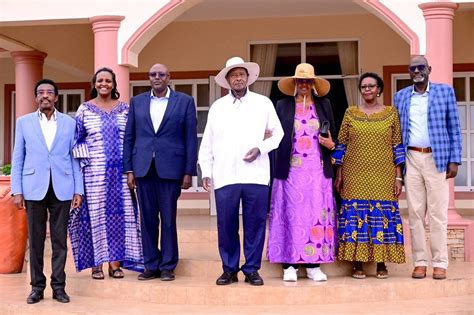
x=369 y=223
x=105 y=228
x=302 y=212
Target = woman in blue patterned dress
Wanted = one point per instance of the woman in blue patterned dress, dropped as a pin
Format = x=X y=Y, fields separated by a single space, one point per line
x=105 y=228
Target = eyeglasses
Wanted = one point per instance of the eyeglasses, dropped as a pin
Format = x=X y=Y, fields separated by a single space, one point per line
x=420 y=68
x=48 y=92
x=367 y=87
x=303 y=81
x=160 y=74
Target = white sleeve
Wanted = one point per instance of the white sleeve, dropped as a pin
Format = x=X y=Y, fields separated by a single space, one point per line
x=274 y=125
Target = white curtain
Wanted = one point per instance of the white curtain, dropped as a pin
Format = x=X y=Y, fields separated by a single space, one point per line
x=265 y=56
x=348 y=59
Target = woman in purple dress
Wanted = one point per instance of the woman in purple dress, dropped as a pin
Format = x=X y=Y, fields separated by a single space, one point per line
x=302 y=211
x=105 y=228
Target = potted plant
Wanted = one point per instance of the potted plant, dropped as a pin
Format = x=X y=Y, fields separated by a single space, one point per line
x=13 y=228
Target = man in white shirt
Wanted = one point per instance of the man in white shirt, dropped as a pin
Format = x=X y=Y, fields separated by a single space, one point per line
x=234 y=161
x=46 y=180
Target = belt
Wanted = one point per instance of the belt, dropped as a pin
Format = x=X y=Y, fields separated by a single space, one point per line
x=422 y=150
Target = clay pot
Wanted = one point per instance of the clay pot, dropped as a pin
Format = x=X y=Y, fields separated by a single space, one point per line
x=13 y=231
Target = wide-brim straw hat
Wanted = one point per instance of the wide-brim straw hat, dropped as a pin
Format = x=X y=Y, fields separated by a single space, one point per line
x=237 y=62
x=304 y=71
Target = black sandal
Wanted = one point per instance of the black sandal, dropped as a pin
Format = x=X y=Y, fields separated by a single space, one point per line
x=116 y=273
x=97 y=274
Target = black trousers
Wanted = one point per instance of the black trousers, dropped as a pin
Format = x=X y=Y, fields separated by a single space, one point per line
x=37 y=216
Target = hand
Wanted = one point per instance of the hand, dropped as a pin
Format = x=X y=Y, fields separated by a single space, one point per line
x=268 y=134
x=398 y=188
x=187 y=181
x=131 y=181
x=338 y=182
x=206 y=183
x=19 y=201
x=452 y=170
x=252 y=155
x=327 y=142
x=76 y=201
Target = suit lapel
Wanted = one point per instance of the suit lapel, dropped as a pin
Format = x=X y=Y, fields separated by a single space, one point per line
x=406 y=110
x=37 y=129
x=170 y=108
x=431 y=107
x=59 y=127
x=146 y=108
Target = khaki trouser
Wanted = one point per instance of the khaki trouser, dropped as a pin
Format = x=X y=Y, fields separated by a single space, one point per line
x=427 y=192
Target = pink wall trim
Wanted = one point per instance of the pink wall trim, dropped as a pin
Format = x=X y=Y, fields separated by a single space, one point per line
x=436 y=8
x=106 y=22
x=389 y=16
x=145 y=27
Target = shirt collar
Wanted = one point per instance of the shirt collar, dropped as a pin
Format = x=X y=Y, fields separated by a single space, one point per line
x=167 y=96
x=41 y=115
x=413 y=91
x=241 y=99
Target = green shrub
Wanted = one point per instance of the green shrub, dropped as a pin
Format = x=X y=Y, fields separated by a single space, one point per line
x=6 y=169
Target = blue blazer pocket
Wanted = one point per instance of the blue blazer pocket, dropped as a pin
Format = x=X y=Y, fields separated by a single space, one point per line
x=28 y=171
x=180 y=152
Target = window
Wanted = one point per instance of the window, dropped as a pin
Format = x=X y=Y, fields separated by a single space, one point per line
x=463 y=84
x=69 y=101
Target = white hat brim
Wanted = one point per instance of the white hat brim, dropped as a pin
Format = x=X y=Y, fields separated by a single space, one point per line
x=252 y=68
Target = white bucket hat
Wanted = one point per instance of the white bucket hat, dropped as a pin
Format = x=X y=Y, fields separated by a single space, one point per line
x=237 y=62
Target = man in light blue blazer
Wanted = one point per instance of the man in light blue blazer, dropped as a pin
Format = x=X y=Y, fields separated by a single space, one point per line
x=431 y=135
x=45 y=177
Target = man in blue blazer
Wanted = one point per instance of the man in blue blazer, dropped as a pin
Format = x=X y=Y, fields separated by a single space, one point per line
x=160 y=156
x=45 y=177
x=432 y=138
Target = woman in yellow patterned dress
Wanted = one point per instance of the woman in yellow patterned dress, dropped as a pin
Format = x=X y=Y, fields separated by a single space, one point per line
x=369 y=178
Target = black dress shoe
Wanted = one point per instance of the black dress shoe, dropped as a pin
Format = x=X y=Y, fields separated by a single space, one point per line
x=35 y=296
x=167 y=275
x=61 y=296
x=254 y=278
x=148 y=275
x=227 y=278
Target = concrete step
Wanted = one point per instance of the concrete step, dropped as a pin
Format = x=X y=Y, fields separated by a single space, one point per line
x=13 y=294
x=130 y=295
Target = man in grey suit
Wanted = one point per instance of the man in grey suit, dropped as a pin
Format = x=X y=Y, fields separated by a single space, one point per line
x=46 y=177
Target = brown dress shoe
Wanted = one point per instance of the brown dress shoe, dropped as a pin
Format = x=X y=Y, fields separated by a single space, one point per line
x=439 y=273
x=419 y=272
